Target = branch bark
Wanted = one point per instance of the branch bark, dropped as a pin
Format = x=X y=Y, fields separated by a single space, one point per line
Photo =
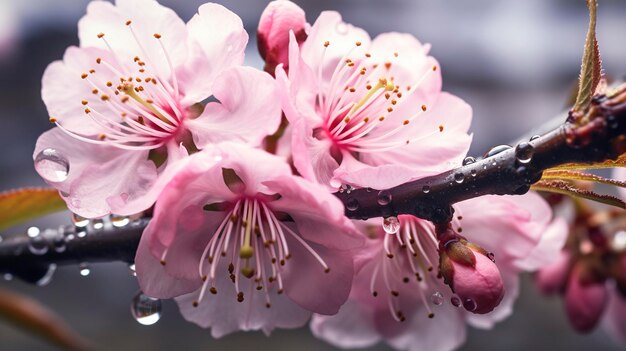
x=502 y=171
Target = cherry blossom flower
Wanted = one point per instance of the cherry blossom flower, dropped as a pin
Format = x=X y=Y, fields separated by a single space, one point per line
x=369 y=113
x=398 y=295
x=126 y=101
x=244 y=245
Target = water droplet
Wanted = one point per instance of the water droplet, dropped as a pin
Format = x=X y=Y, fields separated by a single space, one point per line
x=384 y=197
x=391 y=225
x=47 y=278
x=69 y=238
x=32 y=232
x=496 y=150
x=437 y=298
x=146 y=310
x=8 y=276
x=455 y=301
x=79 y=221
x=352 y=204
x=348 y=188
x=426 y=189
x=52 y=166
x=80 y=234
x=369 y=190
x=459 y=177
x=468 y=160
x=469 y=305
x=84 y=269
x=342 y=28
x=132 y=269
x=97 y=223
x=524 y=152
x=491 y=256
x=119 y=221
x=37 y=245
x=534 y=137
x=618 y=243
x=59 y=243
x=473 y=172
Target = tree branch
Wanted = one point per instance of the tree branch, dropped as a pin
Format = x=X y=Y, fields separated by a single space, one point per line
x=502 y=171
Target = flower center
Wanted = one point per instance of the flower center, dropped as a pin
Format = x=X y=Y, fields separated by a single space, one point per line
x=138 y=104
x=251 y=242
x=359 y=103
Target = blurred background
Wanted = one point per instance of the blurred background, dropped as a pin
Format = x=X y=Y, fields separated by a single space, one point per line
x=515 y=62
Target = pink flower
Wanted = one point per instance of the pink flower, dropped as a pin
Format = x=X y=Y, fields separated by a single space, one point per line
x=245 y=245
x=278 y=18
x=552 y=279
x=585 y=298
x=398 y=295
x=369 y=113
x=125 y=102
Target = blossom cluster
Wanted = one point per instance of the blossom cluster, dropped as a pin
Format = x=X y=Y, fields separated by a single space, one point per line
x=239 y=166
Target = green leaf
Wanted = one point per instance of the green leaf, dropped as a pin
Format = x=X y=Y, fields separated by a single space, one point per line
x=591 y=68
x=20 y=205
x=565 y=188
x=574 y=175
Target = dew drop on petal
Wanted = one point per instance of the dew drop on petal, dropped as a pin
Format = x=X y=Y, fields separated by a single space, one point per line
x=47 y=278
x=384 y=197
x=84 y=269
x=469 y=305
x=146 y=310
x=436 y=298
x=52 y=166
x=459 y=177
x=496 y=150
x=455 y=301
x=352 y=204
x=391 y=225
x=468 y=160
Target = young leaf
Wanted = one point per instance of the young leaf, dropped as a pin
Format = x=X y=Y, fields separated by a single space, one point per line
x=574 y=175
x=591 y=68
x=20 y=205
x=565 y=188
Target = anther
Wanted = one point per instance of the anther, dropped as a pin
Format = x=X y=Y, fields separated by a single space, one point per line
x=213 y=290
x=195 y=304
x=157 y=35
x=84 y=75
x=441 y=128
x=92 y=71
x=358 y=43
x=100 y=35
x=240 y=297
x=326 y=43
x=389 y=109
x=129 y=22
x=424 y=108
x=162 y=262
x=84 y=102
x=87 y=111
x=52 y=120
x=102 y=136
x=98 y=60
x=406 y=121
x=431 y=315
x=395 y=293
x=327 y=270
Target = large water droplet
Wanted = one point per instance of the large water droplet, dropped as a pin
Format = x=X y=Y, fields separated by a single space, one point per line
x=496 y=150
x=79 y=221
x=459 y=177
x=47 y=278
x=52 y=166
x=84 y=269
x=342 y=28
x=37 y=245
x=469 y=305
x=384 y=197
x=146 y=310
x=391 y=225
x=455 y=301
x=352 y=204
x=437 y=298
x=524 y=152
x=468 y=160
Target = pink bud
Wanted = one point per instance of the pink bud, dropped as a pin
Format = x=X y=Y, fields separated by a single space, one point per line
x=552 y=278
x=585 y=298
x=472 y=275
x=278 y=18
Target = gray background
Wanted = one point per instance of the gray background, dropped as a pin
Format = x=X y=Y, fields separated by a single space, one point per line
x=515 y=62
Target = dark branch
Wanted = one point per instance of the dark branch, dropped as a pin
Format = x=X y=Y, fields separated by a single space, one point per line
x=507 y=170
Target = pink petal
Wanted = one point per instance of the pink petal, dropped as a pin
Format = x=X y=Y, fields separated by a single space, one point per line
x=311 y=157
x=351 y=327
x=482 y=284
x=224 y=314
x=217 y=41
x=552 y=278
x=584 y=302
x=614 y=321
x=248 y=110
x=504 y=309
x=148 y=17
x=546 y=252
x=308 y=285
x=90 y=186
x=154 y=280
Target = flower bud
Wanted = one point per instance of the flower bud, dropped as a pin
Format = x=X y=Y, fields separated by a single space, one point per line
x=585 y=298
x=552 y=278
x=278 y=18
x=471 y=274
